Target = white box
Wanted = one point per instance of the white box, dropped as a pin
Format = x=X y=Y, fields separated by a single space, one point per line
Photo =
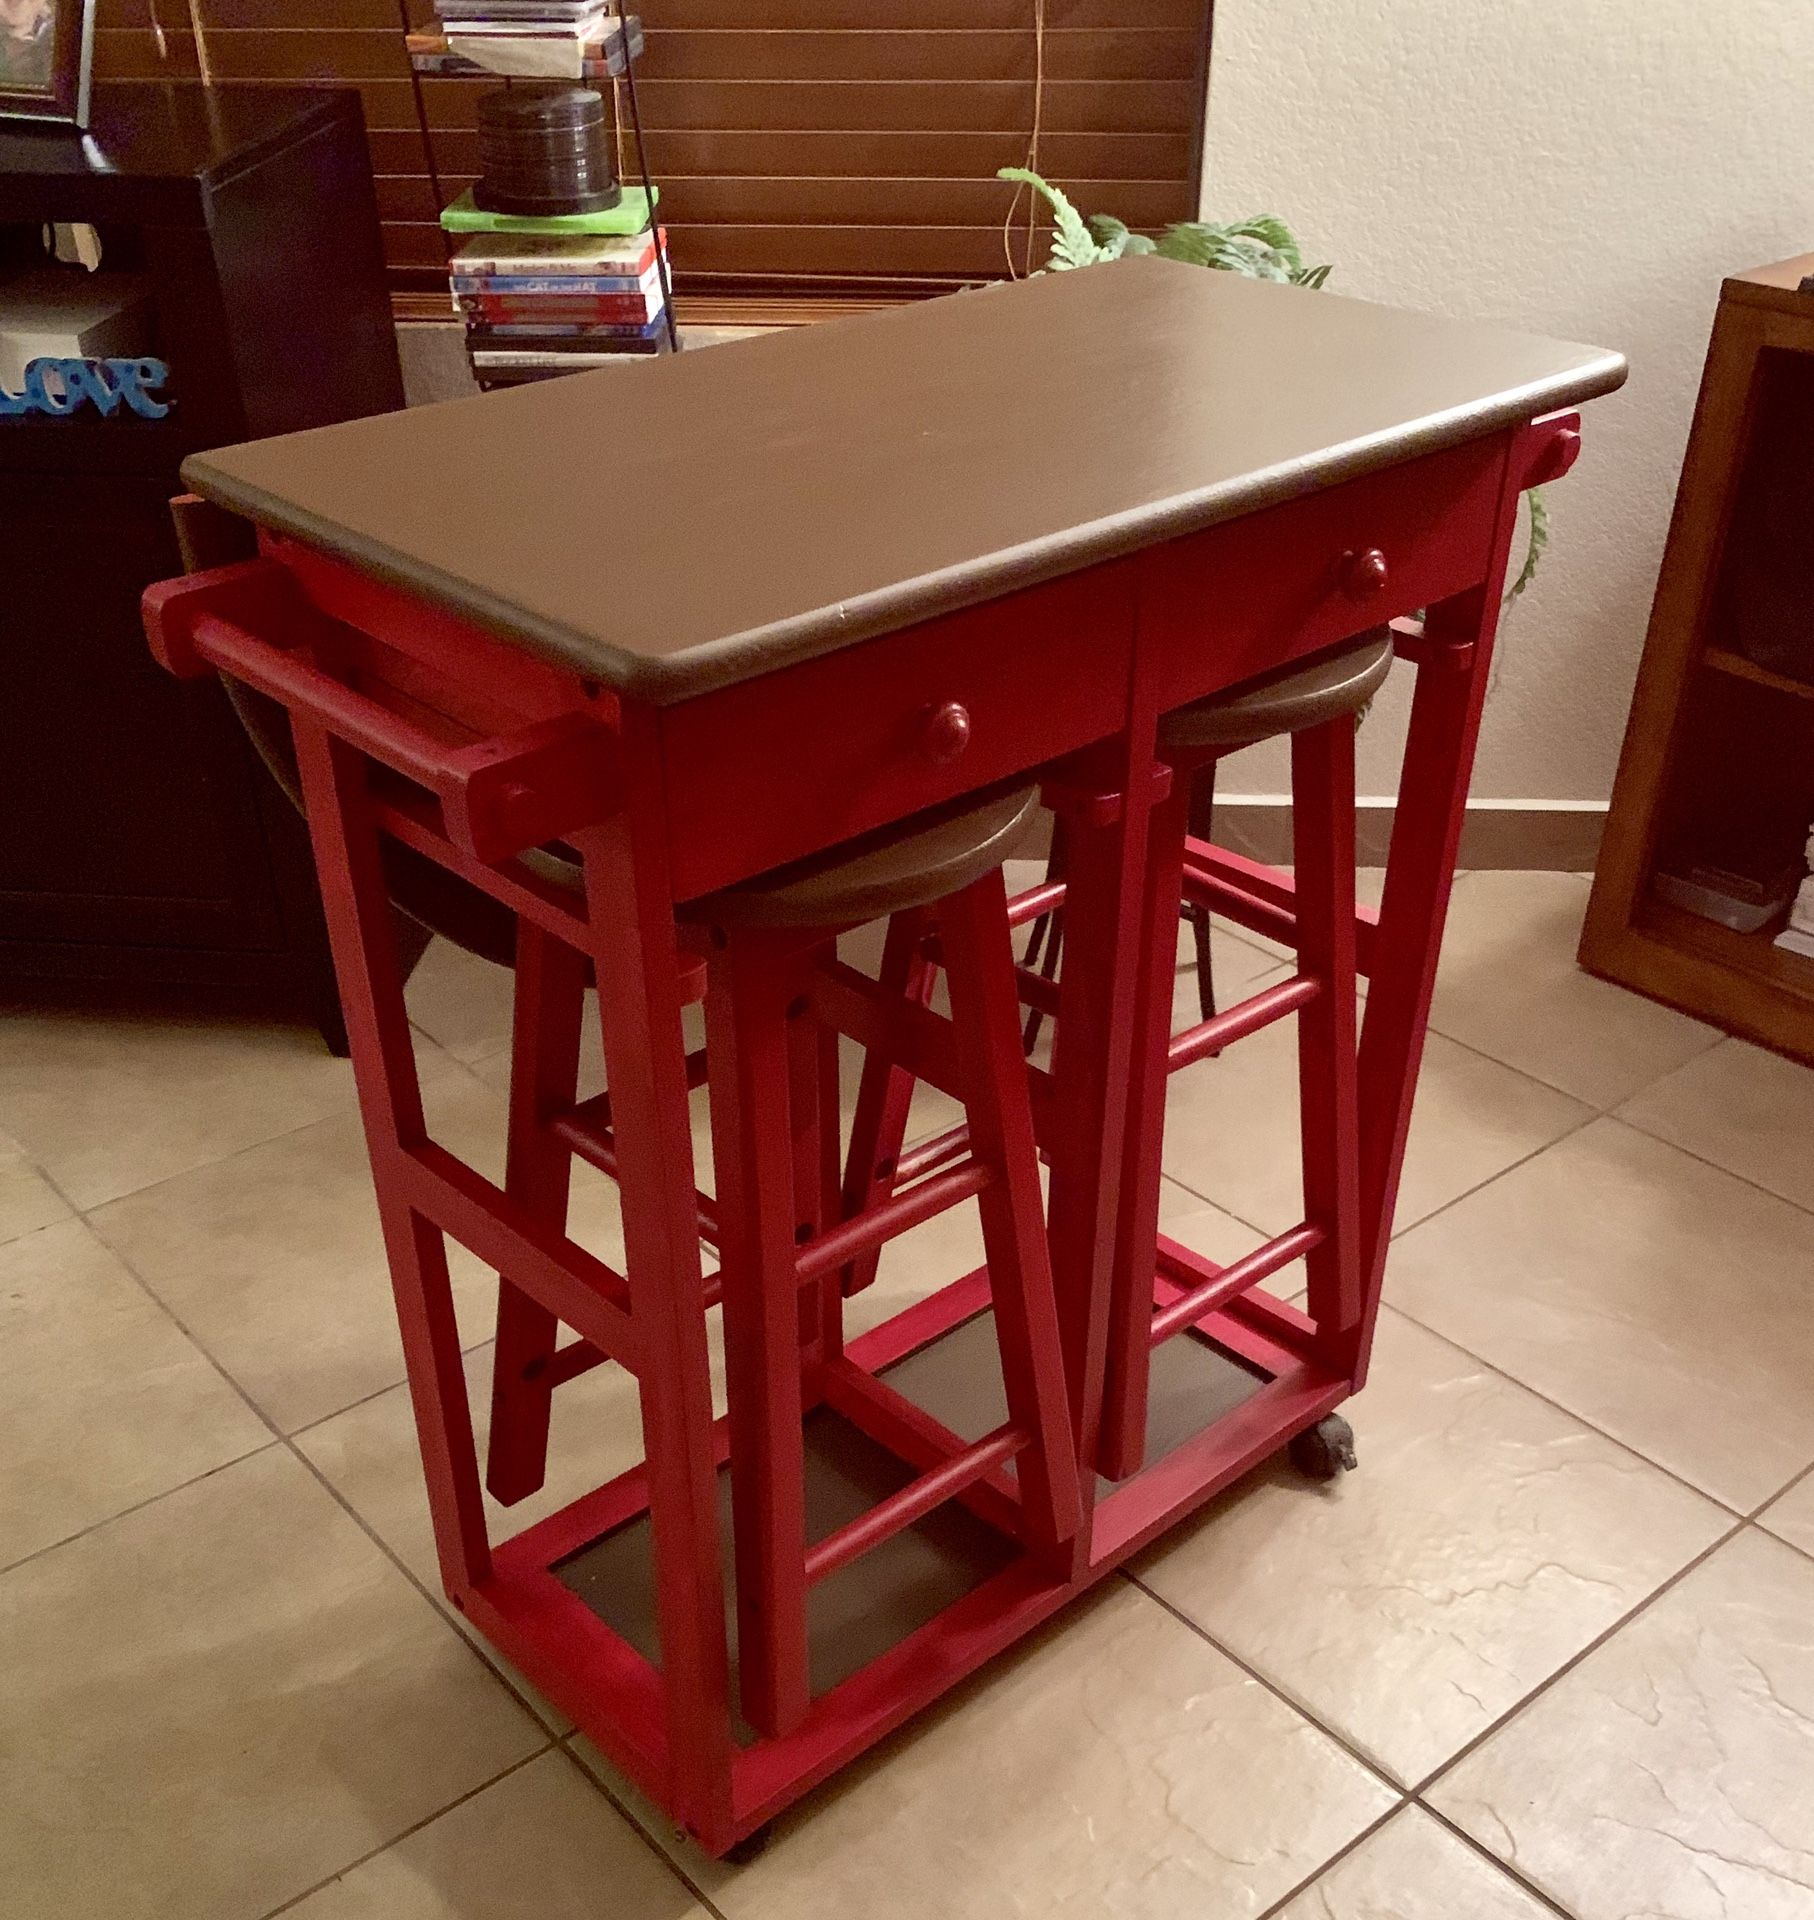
x=67 y=314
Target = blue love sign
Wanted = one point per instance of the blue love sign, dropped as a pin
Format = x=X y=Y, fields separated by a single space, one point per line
x=60 y=387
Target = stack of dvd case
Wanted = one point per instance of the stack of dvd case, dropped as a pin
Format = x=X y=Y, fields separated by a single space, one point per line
x=531 y=39
x=548 y=304
x=541 y=304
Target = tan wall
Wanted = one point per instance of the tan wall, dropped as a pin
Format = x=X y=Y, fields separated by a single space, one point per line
x=1588 y=168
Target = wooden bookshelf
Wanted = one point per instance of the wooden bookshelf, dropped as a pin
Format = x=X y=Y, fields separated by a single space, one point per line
x=1718 y=761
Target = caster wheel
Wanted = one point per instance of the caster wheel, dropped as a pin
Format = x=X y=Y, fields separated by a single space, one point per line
x=751 y=1847
x=1326 y=1450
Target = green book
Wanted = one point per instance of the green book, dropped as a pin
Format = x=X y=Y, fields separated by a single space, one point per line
x=630 y=215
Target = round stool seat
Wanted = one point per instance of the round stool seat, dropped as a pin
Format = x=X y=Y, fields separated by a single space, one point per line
x=1305 y=694
x=927 y=858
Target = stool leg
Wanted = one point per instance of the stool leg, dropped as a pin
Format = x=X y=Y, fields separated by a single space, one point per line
x=1322 y=794
x=538 y=1171
x=1202 y=826
x=814 y=1105
x=1122 y=1450
x=885 y=1093
x=1046 y=942
x=749 y=983
x=985 y=1012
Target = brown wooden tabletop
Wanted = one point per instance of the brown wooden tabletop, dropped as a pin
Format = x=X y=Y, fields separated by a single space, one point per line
x=675 y=526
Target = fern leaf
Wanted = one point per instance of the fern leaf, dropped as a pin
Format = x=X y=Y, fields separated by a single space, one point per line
x=1137 y=243
x=1271 y=232
x=1536 y=542
x=1192 y=241
x=1071 y=242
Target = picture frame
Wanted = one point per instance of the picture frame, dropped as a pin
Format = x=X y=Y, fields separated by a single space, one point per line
x=46 y=54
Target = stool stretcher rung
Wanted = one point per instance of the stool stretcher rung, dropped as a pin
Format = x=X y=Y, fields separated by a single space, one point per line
x=597 y=1147
x=939 y=1150
x=906 y=1429
x=1244 y=909
x=1234 y=1279
x=889 y=1218
x=913 y=1502
x=575 y=1358
x=1045 y=898
x=910 y=1035
x=1037 y=991
x=1260 y=898
x=571 y=1283
x=1238 y=1021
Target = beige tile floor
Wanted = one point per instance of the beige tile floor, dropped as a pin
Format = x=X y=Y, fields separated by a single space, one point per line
x=1550 y=1651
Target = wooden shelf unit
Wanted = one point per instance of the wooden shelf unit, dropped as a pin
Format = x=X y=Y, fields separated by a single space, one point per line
x=1719 y=750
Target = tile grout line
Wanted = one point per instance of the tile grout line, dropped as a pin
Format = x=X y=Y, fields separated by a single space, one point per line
x=138 y=1506
x=1421 y=1787
x=598 y=1786
x=1414 y=1795
x=83 y=1213
x=1569 y=1413
x=1334 y=1860
x=1516 y=1875
x=1271 y=1686
x=1480 y=1360
x=480 y=1654
x=1479 y=1186
x=1675 y=1146
x=428 y=1820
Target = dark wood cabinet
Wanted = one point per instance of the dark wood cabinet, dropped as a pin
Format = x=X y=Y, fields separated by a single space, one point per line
x=141 y=842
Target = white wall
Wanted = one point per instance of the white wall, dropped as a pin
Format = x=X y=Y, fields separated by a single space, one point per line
x=1587 y=168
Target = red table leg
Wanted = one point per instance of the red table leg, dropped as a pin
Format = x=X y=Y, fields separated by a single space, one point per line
x=357 y=905
x=629 y=904
x=1453 y=658
x=1322 y=788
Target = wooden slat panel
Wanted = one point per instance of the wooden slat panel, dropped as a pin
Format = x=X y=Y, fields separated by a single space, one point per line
x=969 y=106
x=1115 y=54
x=689 y=202
x=415 y=243
x=336 y=16
x=716 y=152
x=291 y=55
x=839 y=252
x=928 y=15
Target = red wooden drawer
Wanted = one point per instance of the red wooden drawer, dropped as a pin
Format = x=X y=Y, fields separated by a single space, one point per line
x=1237 y=600
x=774 y=768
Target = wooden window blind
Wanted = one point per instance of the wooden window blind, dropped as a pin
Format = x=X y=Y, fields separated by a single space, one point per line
x=805 y=148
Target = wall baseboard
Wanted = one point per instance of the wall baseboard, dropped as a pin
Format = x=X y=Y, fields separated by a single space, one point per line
x=1561 y=836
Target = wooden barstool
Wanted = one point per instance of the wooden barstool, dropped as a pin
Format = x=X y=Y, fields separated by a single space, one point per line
x=1317 y=703
x=776 y=999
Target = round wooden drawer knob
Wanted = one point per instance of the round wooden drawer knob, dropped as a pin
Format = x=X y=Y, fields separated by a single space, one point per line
x=1364 y=574
x=946 y=733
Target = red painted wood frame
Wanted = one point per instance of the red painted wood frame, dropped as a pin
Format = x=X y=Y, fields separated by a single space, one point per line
x=412 y=725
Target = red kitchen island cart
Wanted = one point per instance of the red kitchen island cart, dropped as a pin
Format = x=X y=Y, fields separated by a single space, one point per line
x=635 y=657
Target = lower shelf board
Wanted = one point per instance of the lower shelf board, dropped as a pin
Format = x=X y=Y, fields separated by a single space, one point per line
x=856 y=1614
